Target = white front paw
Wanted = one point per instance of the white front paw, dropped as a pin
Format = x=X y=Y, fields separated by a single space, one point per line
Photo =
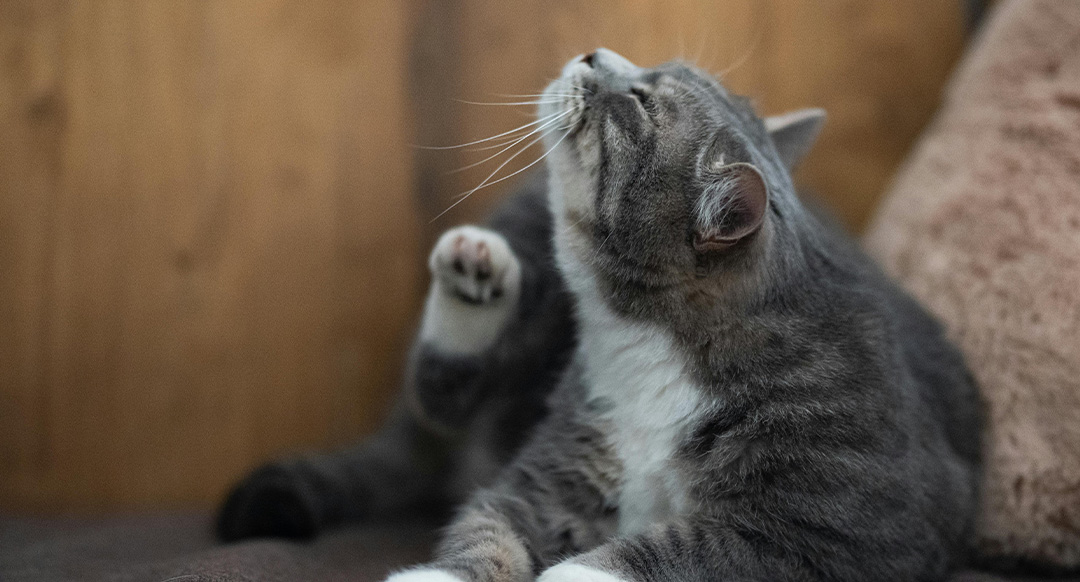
x=568 y=572
x=423 y=575
x=476 y=281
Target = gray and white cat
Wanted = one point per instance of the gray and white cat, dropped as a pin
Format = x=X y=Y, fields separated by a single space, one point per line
x=749 y=399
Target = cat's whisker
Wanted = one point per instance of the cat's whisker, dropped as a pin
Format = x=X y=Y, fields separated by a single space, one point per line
x=684 y=89
x=487 y=139
x=510 y=103
x=516 y=137
x=696 y=92
x=463 y=196
x=512 y=140
x=569 y=84
x=744 y=57
x=533 y=163
x=700 y=94
x=701 y=49
x=513 y=143
x=486 y=183
x=512 y=96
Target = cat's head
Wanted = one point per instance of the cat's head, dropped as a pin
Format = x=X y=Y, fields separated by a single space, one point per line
x=661 y=176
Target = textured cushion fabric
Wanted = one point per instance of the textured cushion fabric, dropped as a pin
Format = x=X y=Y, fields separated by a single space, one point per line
x=983 y=225
x=180 y=548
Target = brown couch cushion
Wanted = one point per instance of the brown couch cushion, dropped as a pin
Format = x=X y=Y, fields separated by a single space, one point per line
x=983 y=225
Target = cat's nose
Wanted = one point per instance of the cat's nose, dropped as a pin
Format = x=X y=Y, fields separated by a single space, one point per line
x=609 y=61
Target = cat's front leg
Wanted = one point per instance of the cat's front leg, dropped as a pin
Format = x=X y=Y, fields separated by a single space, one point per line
x=529 y=519
x=739 y=549
x=481 y=546
x=697 y=551
x=556 y=499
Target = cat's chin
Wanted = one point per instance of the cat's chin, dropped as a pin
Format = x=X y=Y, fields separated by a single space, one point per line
x=572 y=186
x=563 y=98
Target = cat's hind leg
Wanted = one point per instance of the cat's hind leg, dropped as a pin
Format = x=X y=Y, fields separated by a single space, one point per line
x=475 y=287
x=476 y=282
x=400 y=469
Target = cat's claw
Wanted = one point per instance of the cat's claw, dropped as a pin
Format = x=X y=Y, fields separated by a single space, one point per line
x=476 y=281
x=476 y=265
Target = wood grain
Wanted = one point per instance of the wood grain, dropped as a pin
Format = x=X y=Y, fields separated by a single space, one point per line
x=213 y=219
x=195 y=245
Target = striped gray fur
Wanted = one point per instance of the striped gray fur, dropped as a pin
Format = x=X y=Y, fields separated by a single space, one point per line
x=750 y=398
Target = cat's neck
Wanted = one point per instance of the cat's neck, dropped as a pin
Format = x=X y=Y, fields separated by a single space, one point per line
x=605 y=334
x=642 y=379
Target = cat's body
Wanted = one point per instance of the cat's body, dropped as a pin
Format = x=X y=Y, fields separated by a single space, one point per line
x=750 y=399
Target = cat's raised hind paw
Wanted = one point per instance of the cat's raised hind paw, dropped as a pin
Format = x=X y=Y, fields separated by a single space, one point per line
x=476 y=281
x=474 y=264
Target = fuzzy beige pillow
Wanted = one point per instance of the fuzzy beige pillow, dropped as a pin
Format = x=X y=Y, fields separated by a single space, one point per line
x=983 y=225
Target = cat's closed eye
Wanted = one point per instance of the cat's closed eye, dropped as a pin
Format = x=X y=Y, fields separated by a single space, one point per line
x=644 y=98
x=640 y=94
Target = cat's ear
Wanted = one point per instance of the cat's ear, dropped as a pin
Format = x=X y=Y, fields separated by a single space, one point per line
x=794 y=133
x=732 y=206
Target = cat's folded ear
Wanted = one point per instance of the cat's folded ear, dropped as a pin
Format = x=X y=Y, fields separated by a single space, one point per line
x=732 y=206
x=794 y=133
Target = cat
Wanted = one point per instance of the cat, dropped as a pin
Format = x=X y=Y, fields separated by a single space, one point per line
x=749 y=397
x=470 y=396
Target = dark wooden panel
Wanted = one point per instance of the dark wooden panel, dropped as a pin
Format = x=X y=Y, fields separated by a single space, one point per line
x=31 y=122
x=220 y=262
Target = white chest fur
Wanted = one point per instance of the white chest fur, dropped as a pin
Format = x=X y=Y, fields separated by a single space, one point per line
x=638 y=369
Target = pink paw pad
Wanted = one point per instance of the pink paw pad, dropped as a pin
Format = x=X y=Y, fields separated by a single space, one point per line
x=474 y=264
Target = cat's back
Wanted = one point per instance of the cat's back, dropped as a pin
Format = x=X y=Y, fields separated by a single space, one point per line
x=931 y=366
x=918 y=411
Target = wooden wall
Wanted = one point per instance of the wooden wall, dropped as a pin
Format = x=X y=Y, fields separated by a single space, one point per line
x=213 y=221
